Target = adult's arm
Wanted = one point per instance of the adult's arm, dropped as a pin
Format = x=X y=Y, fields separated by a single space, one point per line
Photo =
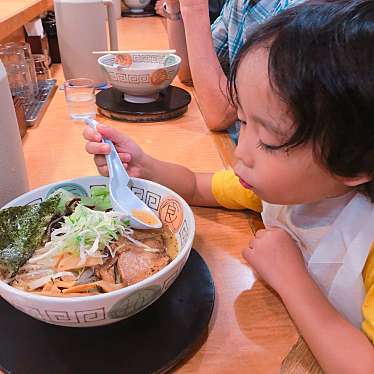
x=193 y=34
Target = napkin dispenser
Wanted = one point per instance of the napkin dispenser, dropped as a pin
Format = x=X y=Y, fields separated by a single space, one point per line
x=81 y=29
x=13 y=181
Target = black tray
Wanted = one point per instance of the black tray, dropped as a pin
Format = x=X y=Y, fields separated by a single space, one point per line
x=153 y=341
x=149 y=11
x=172 y=103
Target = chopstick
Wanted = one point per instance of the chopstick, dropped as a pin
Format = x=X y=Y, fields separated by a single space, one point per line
x=144 y=51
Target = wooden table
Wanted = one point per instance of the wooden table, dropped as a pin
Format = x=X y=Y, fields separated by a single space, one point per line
x=15 y=13
x=250 y=331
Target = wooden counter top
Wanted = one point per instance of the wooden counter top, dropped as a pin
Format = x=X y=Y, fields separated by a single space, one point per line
x=15 y=13
x=250 y=331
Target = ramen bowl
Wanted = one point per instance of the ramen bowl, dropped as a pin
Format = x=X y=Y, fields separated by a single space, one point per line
x=107 y=308
x=140 y=76
x=136 y=6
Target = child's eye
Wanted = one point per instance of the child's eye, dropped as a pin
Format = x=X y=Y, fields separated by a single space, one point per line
x=267 y=147
x=242 y=123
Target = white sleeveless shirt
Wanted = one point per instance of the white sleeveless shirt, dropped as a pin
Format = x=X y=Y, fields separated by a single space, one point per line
x=335 y=236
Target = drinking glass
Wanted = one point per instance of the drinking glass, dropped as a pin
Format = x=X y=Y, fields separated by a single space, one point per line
x=41 y=66
x=20 y=82
x=19 y=78
x=80 y=98
x=24 y=49
x=11 y=57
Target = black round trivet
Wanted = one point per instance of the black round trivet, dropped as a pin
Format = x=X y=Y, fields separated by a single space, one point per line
x=172 y=103
x=153 y=341
x=149 y=11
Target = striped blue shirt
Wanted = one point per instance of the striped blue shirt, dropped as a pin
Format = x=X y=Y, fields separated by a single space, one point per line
x=237 y=20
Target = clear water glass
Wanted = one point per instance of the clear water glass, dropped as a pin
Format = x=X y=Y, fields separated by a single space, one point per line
x=20 y=82
x=25 y=50
x=42 y=66
x=80 y=98
x=19 y=77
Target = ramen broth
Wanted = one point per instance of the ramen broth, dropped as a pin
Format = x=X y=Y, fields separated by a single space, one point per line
x=144 y=216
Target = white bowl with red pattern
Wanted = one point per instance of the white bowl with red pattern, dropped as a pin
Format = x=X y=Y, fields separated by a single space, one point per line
x=136 y=6
x=140 y=76
x=117 y=305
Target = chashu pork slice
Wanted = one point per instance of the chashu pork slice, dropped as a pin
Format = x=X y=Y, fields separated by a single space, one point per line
x=137 y=264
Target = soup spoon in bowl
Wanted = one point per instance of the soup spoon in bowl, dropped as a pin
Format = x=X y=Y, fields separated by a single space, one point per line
x=121 y=196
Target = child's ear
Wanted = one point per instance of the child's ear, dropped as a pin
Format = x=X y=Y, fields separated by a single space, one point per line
x=356 y=181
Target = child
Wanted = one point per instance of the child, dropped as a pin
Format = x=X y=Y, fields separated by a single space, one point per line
x=304 y=88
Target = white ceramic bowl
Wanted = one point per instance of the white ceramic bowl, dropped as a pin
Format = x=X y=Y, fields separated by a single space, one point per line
x=110 y=307
x=141 y=75
x=136 y=6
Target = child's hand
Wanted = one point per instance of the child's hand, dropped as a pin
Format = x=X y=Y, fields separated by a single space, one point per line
x=130 y=153
x=276 y=257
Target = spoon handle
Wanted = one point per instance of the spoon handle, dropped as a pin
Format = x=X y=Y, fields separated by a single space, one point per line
x=115 y=166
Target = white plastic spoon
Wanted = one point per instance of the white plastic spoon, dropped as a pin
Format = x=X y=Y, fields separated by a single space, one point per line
x=121 y=196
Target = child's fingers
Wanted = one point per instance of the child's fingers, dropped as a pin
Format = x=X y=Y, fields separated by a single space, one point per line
x=103 y=170
x=100 y=161
x=114 y=135
x=91 y=135
x=101 y=165
x=104 y=131
x=97 y=148
x=125 y=157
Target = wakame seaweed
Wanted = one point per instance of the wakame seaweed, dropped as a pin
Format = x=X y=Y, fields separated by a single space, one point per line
x=22 y=230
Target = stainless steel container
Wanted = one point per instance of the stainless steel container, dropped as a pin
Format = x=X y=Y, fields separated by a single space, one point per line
x=13 y=176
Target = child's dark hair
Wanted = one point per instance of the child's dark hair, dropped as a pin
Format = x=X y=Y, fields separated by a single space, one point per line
x=321 y=64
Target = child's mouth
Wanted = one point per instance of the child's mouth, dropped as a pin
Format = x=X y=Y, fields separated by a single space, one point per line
x=244 y=184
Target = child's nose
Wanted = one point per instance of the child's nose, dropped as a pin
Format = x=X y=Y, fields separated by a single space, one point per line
x=247 y=145
x=243 y=152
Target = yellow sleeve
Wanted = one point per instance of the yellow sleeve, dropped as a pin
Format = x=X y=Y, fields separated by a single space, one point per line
x=368 y=305
x=229 y=193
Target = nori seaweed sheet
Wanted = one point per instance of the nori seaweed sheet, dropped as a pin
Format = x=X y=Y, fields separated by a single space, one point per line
x=21 y=232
